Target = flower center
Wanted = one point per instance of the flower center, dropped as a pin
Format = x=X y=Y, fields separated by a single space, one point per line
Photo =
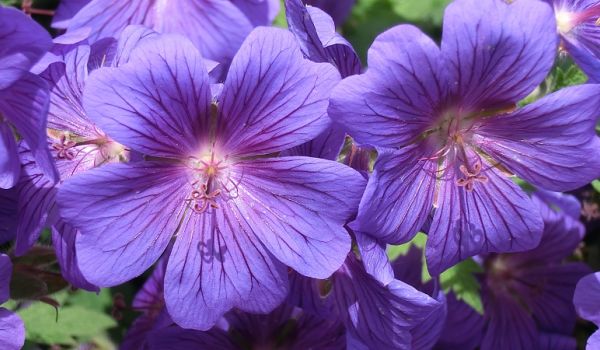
x=98 y=148
x=566 y=20
x=211 y=181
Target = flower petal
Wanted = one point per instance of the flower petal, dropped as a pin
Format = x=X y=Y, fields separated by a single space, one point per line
x=496 y=216
x=274 y=103
x=22 y=43
x=509 y=326
x=464 y=326
x=63 y=241
x=374 y=257
x=25 y=105
x=288 y=202
x=399 y=195
x=65 y=11
x=553 y=341
x=586 y=300
x=217 y=263
x=66 y=80
x=261 y=12
x=327 y=145
x=9 y=160
x=501 y=53
x=175 y=338
x=5 y=275
x=552 y=142
x=157 y=103
x=398 y=97
x=126 y=215
x=8 y=215
x=12 y=330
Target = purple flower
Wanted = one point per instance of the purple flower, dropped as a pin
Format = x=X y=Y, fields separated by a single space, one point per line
x=527 y=296
x=449 y=135
x=238 y=215
x=577 y=22
x=208 y=23
x=587 y=304
x=12 y=330
x=65 y=11
x=23 y=95
x=8 y=214
x=76 y=143
x=337 y=9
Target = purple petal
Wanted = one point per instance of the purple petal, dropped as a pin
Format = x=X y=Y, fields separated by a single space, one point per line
x=374 y=258
x=65 y=11
x=9 y=160
x=549 y=341
x=12 y=330
x=144 y=328
x=593 y=341
x=126 y=215
x=399 y=195
x=585 y=54
x=427 y=333
x=397 y=98
x=552 y=142
x=498 y=60
x=301 y=25
x=175 y=338
x=22 y=43
x=131 y=38
x=362 y=300
x=564 y=203
x=5 y=275
x=496 y=216
x=158 y=102
x=8 y=215
x=287 y=202
x=338 y=9
x=259 y=12
x=151 y=293
x=63 y=240
x=464 y=327
x=509 y=326
x=325 y=146
x=216 y=264
x=274 y=103
x=36 y=198
x=587 y=298
x=66 y=80
x=25 y=105
x=207 y=23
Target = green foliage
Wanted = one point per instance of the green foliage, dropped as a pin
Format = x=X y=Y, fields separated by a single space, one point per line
x=82 y=318
x=10 y=2
x=372 y=17
x=394 y=251
x=280 y=20
x=460 y=279
x=596 y=185
x=567 y=75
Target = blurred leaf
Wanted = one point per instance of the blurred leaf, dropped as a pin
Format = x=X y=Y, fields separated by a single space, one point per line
x=10 y=2
x=92 y=301
x=75 y=323
x=460 y=279
x=431 y=11
x=567 y=74
x=394 y=251
x=280 y=20
x=596 y=185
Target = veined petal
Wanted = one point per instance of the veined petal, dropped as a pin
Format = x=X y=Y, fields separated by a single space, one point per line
x=65 y=11
x=36 y=196
x=274 y=103
x=9 y=161
x=501 y=53
x=23 y=42
x=63 y=241
x=25 y=105
x=399 y=194
x=325 y=146
x=8 y=215
x=583 y=54
x=218 y=263
x=464 y=326
x=494 y=216
x=374 y=257
x=158 y=103
x=399 y=96
x=12 y=330
x=126 y=215
x=66 y=80
x=288 y=203
x=259 y=12
x=553 y=341
x=175 y=338
x=552 y=142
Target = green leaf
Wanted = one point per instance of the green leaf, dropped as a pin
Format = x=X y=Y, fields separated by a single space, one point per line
x=567 y=74
x=430 y=11
x=460 y=279
x=90 y=300
x=281 y=20
x=596 y=185
x=75 y=323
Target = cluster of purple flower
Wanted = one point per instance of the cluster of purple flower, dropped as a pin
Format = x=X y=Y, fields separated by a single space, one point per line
x=188 y=133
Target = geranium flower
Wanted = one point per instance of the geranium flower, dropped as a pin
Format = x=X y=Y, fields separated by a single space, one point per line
x=238 y=215
x=449 y=135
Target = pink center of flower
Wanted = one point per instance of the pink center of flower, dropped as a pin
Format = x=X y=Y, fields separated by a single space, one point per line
x=98 y=148
x=211 y=182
